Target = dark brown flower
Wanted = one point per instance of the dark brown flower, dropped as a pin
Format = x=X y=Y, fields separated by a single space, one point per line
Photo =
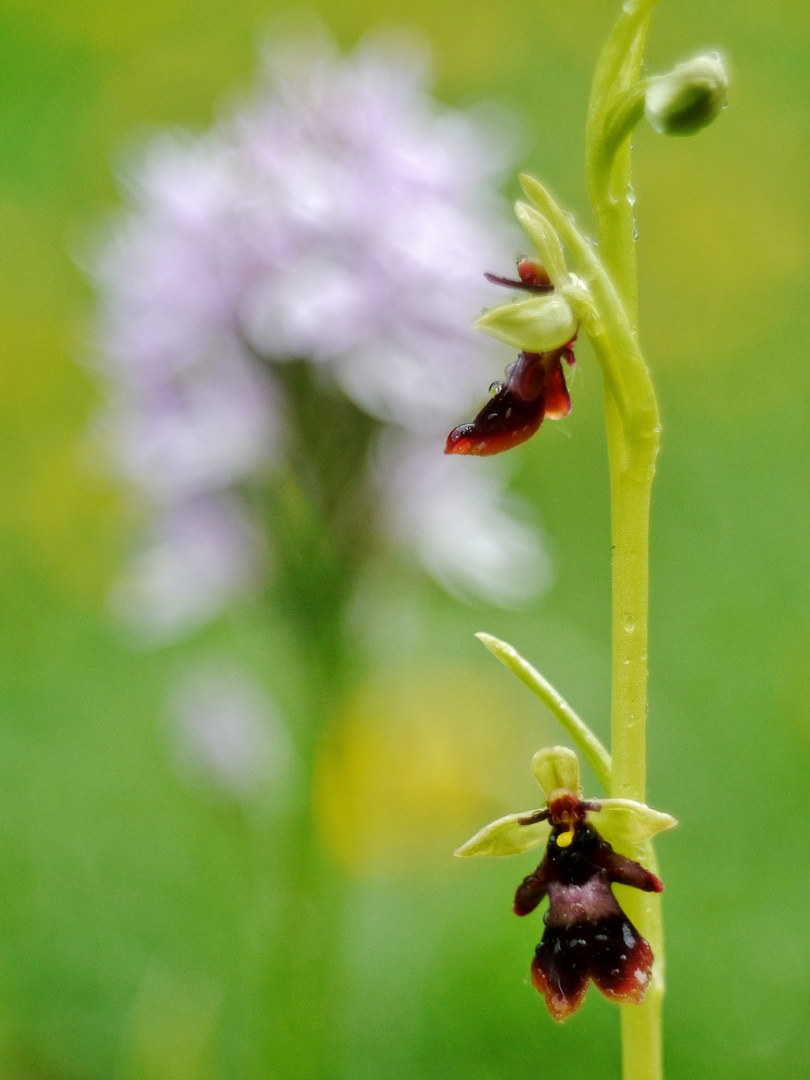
x=533 y=388
x=587 y=935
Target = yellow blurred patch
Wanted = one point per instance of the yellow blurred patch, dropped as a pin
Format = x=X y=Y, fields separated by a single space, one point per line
x=105 y=23
x=171 y=1028
x=420 y=760
x=69 y=520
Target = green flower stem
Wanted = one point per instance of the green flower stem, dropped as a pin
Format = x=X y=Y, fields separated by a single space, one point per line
x=632 y=466
x=597 y=305
x=591 y=748
x=608 y=165
x=603 y=297
x=632 y=421
x=632 y=452
x=620 y=122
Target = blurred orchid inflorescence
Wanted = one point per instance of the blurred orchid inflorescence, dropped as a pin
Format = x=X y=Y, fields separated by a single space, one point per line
x=338 y=221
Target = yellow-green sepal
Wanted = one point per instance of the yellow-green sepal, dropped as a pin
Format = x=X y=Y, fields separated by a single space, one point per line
x=536 y=325
x=557 y=767
x=507 y=836
x=623 y=821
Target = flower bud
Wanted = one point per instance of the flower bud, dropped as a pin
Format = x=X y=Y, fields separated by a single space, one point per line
x=537 y=325
x=689 y=98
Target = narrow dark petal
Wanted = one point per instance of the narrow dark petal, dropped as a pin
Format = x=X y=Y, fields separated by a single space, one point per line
x=532 y=890
x=512 y=283
x=560 y=970
x=625 y=871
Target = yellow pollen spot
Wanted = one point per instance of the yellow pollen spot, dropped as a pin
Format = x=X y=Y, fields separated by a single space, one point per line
x=565 y=839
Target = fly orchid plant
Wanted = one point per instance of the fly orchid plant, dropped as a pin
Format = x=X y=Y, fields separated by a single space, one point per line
x=587 y=934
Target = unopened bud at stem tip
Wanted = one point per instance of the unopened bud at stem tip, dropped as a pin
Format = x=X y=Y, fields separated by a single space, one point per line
x=688 y=98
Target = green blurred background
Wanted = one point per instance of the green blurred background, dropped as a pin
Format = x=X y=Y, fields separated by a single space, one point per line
x=139 y=918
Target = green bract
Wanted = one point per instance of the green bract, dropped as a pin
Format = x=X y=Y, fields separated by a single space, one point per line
x=622 y=822
x=689 y=98
x=536 y=325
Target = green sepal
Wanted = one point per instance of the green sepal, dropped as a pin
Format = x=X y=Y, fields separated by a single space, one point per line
x=557 y=767
x=507 y=836
x=624 y=822
x=537 y=325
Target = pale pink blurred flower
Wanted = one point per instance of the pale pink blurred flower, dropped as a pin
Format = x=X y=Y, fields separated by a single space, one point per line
x=339 y=215
x=199 y=553
x=455 y=521
x=226 y=733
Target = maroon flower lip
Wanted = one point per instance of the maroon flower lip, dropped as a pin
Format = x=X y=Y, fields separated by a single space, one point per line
x=534 y=388
x=587 y=936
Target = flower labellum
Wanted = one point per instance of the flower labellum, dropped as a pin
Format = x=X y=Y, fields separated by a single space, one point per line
x=587 y=935
x=533 y=389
